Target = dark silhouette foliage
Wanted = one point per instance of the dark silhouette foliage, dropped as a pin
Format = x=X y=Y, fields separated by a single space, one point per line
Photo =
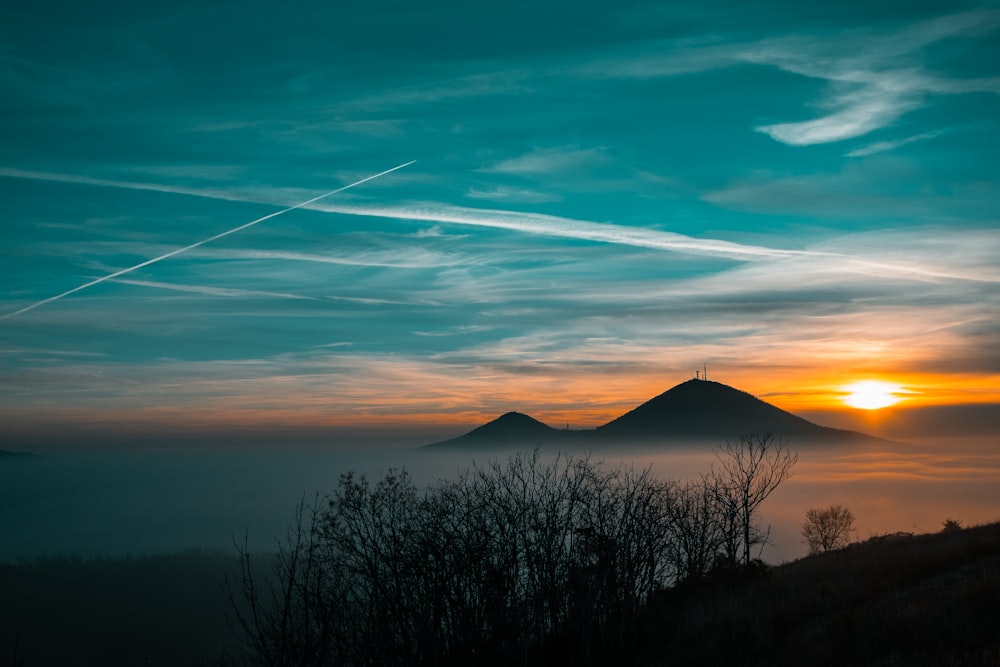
x=513 y=563
x=163 y=609
x=827 y=529
x=748 y=471
x=951 y=525
x=922 y=600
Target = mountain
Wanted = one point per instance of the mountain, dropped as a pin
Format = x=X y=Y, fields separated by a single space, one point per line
x=512 y=427
x=702 y=409
x=693 y=410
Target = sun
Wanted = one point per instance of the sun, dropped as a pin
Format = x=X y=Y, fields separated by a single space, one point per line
x=872 y=394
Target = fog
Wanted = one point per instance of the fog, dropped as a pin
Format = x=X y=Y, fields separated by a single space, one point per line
x=149 y=501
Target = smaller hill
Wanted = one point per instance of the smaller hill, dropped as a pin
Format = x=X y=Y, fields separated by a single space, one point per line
x=693 y=411
x=509 y=427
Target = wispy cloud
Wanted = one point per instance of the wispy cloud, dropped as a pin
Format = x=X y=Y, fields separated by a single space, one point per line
x=549 y=225
x=56 y=177
x=228 y=292
x=871 y=107
x=509 y=194
x=397 y=258
x=548 y=160
x=874 y=79
x=883 y=146
x=200 y=243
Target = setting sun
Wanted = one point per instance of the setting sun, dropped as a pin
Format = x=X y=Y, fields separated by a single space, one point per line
x=872 y=394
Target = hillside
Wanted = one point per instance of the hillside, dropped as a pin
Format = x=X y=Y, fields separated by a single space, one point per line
x=894 y=600
x=897 y=600
x=691 y=411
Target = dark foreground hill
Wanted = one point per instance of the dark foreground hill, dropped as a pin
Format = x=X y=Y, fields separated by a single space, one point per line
x=893 y=600
x=148 y=610
x=696 y=410
x=896 y=600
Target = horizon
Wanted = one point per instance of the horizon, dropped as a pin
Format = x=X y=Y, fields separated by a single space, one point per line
x=975 y=422
x=369 y=225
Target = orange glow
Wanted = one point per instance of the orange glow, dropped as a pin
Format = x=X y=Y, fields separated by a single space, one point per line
x=423 y=403
x=872 y=394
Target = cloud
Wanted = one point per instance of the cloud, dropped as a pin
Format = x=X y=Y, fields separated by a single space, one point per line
x=228 y=292
x=862 y=112
x=862 y=190
x=401 y=258
x=202 y=242
x=883 y=146
x=9 y=172
x=549 y=225
x=509 y=194
x=547 y=161
x=874 y=79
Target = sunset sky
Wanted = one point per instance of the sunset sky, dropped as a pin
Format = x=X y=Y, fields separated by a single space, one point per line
x=606 y=198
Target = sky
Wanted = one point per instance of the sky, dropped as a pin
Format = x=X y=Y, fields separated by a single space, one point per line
x=604 y=198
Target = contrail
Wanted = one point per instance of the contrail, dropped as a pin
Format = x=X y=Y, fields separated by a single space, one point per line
x=178 y=251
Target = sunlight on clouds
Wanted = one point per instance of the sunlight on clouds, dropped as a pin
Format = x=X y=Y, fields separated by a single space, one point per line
x=667 y=223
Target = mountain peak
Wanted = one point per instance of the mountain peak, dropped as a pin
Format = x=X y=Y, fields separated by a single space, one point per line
x=693 y=410
x=508 y=427
x=704 y=409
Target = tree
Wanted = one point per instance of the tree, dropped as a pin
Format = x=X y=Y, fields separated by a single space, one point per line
x=748 y=471
x=507 y=562
x=951 y=525
x=827 y=529
x=697 y=526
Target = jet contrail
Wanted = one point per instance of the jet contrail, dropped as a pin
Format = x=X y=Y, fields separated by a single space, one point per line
x=178 y=251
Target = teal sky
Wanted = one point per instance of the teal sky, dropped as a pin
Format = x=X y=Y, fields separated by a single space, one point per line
x=606 y=196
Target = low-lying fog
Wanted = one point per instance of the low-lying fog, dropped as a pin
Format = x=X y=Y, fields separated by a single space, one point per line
x=145 y=502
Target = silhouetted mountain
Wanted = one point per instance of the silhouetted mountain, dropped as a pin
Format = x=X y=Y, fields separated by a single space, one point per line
x=702 y=409
x=691 y=411
x=510 y=427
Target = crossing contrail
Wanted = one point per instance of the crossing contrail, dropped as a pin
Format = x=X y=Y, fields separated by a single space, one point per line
x=178 y=251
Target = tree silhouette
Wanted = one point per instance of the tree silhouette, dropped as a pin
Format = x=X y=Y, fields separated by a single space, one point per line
x=827 y=529
x=748 y=471
x=520 y=562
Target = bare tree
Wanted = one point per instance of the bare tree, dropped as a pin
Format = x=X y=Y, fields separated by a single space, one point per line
x=697 y=530
x=285 y=614
x=510 y=563
x=748 y=471
x=827 y=529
